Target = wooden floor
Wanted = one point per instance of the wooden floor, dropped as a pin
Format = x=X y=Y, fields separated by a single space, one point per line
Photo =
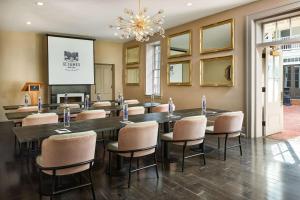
x=269 y=169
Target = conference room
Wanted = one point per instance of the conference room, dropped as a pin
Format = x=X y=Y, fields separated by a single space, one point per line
x=140 y=99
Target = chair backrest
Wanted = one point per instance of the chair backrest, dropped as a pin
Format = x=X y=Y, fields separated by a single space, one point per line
x=91 y=114
x=136 y=110
x=101 y=104
x=27 y=109
x=190 y=128
x=229 y=122
x=68 y=149
x=40 y=118
x=138 y=136
x=70 y=105
x=131 y=101
x=162 y=108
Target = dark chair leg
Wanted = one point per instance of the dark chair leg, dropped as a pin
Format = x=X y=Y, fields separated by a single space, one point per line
x=203 y=155
x=218 y=142
x=240 y=145
x=109 y=163
x=53 y=184
x=183 y=151
x=129 y=171
x=155 y=161
x=40 y=185
x=138 y=165
x=225 y=146
x=162 y=154
x=91 y=181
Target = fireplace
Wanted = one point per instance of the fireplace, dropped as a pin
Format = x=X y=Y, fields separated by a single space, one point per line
x=72 y=97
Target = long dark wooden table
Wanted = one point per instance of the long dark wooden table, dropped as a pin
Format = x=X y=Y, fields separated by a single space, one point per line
x=50 y=105
x=59 y=111
x=39 y=132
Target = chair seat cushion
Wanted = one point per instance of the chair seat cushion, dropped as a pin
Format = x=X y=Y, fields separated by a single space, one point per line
x=167 y=136
x=113 y=146
x=210 y=130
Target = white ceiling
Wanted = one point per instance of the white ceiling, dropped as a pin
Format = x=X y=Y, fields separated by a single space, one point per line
x=93 y=17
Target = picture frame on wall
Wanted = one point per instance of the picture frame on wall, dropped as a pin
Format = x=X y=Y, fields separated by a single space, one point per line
x=132 y=77
x=217 y=71
x=133 y=55
x=217 y=37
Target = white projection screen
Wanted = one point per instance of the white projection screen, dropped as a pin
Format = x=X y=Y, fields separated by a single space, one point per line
x=70 y=61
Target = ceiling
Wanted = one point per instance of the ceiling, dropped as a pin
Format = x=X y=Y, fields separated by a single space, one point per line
x=93 y=17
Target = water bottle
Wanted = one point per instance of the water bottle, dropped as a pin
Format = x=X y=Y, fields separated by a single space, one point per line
x=121 y=100
x=170 y=107
x=39 y=104
x=86 y=102
x=98 y=97
x=67 y=117
x=125 y=112
x=203 y=105
x=26 y=102
x=66 y=98
x=152 y=98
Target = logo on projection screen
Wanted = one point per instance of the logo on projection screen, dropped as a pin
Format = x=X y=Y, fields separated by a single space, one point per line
x=71 y=61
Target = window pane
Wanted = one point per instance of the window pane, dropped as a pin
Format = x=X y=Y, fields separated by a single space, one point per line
x=283 y=28
x=269 y=32
x=295 y=26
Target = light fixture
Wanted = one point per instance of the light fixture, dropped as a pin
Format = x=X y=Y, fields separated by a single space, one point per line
x=28 y=22
x=140 y=25
x=189 y=4
x=39 y=3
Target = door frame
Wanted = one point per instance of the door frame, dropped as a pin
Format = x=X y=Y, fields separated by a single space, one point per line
x=113 y=78
x=253 y=67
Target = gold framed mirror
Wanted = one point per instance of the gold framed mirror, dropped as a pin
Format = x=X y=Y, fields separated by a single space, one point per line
x=132 y=76
x=179 y=73
x=180 y=44
x=217 y=72
x=217 y=37
x=132 y=55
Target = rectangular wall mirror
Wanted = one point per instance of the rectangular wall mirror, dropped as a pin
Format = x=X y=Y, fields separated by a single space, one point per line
x=179 y=44
x=217 y=37
x=217 y=72
x=179 y=73
x=132 y=55
x=132 y=76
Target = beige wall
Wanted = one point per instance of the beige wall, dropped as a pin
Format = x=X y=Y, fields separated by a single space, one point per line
x=21 y=60
x=232 y=98
x=23 y=57
x=110 y=53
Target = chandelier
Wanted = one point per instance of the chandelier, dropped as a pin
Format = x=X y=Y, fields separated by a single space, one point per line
x=140 y=26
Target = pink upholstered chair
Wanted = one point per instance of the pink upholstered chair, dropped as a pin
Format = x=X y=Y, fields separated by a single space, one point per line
x=136 y=140
x=187 y=131
x=162 y=108
x=70 y=105
x=40 y=118
x=136 y=110
x=132 y=101
x=227 y=125
x=91 y=114
x=65 y=155
x=103 y=104
x=27 y=109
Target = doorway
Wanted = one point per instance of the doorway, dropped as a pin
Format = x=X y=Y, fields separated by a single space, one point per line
x=104 y=82
x=272 y=89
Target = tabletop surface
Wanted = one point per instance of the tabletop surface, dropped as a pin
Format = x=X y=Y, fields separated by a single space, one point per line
x=33 y=133
x=60 y=111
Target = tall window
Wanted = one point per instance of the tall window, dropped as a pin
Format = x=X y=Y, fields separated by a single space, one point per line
x=153 y=69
